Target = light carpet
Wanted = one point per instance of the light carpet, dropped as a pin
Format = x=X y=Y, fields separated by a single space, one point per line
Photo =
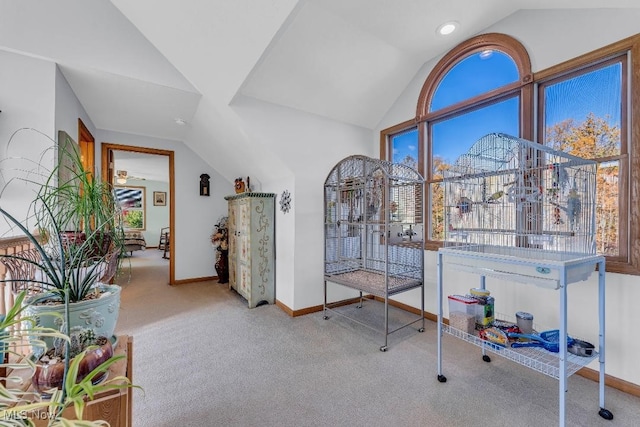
x=205 y=359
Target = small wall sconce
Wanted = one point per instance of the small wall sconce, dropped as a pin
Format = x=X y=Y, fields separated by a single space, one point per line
x=204 y=185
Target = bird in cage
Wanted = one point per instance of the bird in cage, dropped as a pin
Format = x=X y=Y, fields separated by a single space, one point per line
x=495 y=196
x=572 y=209
x=574 y=206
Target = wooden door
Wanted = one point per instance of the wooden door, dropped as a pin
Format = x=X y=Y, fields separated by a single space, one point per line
x=86 y=142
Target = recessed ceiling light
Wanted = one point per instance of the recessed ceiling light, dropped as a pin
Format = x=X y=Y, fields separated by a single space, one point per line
x=447 y=28
x=181 y=122
x=486 y=53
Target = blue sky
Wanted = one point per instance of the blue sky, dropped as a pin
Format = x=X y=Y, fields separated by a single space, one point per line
x=595 y=92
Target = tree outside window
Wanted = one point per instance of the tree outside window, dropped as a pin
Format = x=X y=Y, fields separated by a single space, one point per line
x=583 y=116
x=583 y=107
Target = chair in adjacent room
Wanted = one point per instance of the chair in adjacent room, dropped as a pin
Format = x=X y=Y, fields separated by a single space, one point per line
x=164 y=238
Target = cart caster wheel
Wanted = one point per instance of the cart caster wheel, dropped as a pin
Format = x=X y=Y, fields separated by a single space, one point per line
x=486 y=358
x=421 y=330
x=325 y=317
x=358 y=306
x=383 y=348
x=442 y=378
x=606 y=414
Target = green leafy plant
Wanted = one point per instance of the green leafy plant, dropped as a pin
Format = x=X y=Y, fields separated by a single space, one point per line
x=79 y=226
x=78 y=232
x=133 y=219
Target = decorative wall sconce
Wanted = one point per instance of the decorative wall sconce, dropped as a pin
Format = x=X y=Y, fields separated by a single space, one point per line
x=204 y=185
x=285 y=201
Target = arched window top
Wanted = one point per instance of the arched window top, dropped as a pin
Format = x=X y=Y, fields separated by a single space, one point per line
x=474 y=75
x=469 y=66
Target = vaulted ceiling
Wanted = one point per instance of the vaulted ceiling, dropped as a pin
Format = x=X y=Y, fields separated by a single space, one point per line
x=136 y=66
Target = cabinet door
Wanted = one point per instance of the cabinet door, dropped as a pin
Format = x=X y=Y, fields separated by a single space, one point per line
x=233 y=243
x=244 y=248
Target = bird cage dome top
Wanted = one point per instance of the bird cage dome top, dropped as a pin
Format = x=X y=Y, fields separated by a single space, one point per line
x=497 y=152
x=363 y=166
x=510 y=193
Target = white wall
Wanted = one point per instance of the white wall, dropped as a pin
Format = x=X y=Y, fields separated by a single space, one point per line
x=566 y=34
x=36 y=95
x=310 y=146
x=68 y=110
x=27 y=100
x=196 y=215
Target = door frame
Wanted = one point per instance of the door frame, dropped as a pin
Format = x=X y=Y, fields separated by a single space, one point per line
x=107 y=147
x=87 y=144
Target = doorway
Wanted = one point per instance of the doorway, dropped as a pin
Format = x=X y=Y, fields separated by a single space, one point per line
x=140 y=155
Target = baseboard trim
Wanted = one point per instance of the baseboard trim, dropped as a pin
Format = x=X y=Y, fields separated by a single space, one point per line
x=611 y=381
x=313 y=309
x=195 y=279
x=285 y=308
x=591 y=374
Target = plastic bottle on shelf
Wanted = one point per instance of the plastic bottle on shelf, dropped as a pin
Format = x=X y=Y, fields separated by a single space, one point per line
x=485 y=314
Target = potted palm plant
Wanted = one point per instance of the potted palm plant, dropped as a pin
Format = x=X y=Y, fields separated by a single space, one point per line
x=74 y=251
x=76 y=246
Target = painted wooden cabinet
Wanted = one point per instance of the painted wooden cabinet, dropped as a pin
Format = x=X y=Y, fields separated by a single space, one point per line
x=252 y=246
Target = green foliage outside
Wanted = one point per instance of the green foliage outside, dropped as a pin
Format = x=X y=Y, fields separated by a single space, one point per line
x=596 y=139
x=134 y=219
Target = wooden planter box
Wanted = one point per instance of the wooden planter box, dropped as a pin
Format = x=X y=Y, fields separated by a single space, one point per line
x=113 y=406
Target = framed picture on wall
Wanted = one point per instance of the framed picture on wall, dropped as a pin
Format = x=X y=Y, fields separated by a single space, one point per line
x=159 y=198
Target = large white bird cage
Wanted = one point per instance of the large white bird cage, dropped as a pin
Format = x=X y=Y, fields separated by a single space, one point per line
x=373 y=229
x=523 y=212
x=515 y=197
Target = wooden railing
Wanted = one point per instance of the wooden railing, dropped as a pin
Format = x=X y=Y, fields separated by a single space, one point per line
x=9 y=246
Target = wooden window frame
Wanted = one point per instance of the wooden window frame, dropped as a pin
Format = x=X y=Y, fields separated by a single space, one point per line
x=142 y=209
x=629 y=260
x=523 y=88
x=526 y=86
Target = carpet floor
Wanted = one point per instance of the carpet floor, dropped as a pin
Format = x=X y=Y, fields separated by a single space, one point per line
x=205 y=359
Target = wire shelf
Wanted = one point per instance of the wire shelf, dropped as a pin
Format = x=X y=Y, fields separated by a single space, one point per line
x=535 y=358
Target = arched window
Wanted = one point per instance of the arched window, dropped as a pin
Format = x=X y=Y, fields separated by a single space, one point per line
x=483 y=85
x=584 y=106
x=475 y=75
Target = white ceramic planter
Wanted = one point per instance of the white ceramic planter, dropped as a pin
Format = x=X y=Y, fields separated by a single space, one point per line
x=99 y=314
